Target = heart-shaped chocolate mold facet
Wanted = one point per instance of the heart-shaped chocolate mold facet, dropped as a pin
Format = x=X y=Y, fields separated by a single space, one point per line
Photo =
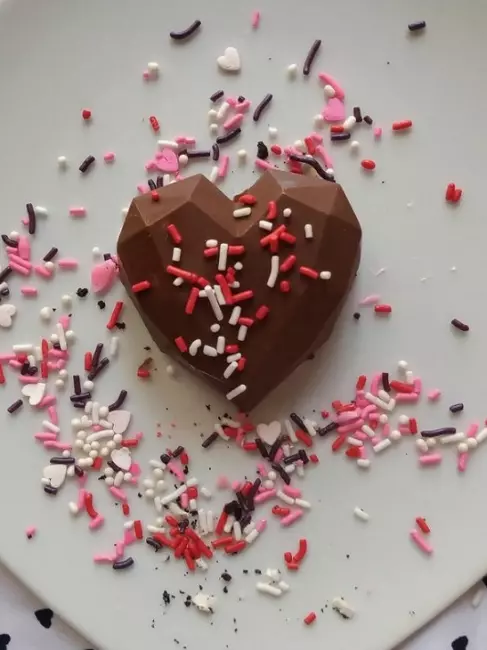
x=298 y=321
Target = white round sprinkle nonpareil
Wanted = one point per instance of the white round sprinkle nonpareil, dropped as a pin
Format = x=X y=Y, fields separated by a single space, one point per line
x=46 y=313
x=183 y=160
x=62 y=162
x=395 y=435
x=462 y=447
x=287 y=212
x=422 y=445
x=354 y=146
x=319 y=121
x=292 y=70
x=329 y=91
x=361 y=514
x=241 y=155
x=215 y=328
x=272 y=132
x=363 y=463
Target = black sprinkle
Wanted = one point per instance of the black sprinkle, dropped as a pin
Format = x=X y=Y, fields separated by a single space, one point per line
x=96 y=355
x=178 y=451
x=289 y=460
x=154 y=543
x=32 y=218
x=4 y=641
x=262 y=151
x=203 y=153
x=165 y=458
x=443 y=431
x=77 y=384
x=62 y=460
x=81 y=397
x=329 y=427
x=9 y=242
x=166 y=597
x=297 y=421
x=189 y=31
x=257 y=572
x=82 y=292
x=308 y=160
x=310 y=57
x=32 y=371
x=120 y=326
x=356 y=315
x=25 y=368
x=48 y=489
x=5 y=273
x=44 y=616
x=96 y=371
x=151 y=184
x=228 y=137
x=119 y=401
x=240 y=99
x=357 y=113
x=50 y=255
x=262 y=448
x=368 y=120
x=101 y=304
x=218 y=94
x=123 y=564
x=86 y=164
x=303 y=456
x=15 y=406
x=385 y=382
x=215 y=149
x=460 y=643
x=160 y=181
x=340 y=137
x=282 y=472
x=456 y=408
x=275 y=447
x=261 y=107
x=416 y=27
x=459 y=325
x=210 y=440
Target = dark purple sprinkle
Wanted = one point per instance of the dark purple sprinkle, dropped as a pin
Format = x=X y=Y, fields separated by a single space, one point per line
x=9 y=242
x=332 y=426
x=303 y=456
x=96 y=371
x=96 y=355
x=357 y=113
x=107 y=256
x=240 y=99
x=460 y=643
x=340 y=137
x=262 y=448
x=50 y=255
x=78 y=471
x=417 y=26
x=310 y=57
x=261 y=107
x=119 y=401
x=210 y=440
x=160 y=181
x=87 y=162
x=242 y=501
x=204 y=153
x=25 y=368
x=32 y=218
x=178 y=451
x=459 y=325
x=443 y=431
x=123 y=564
x=48 y=489
x=189 y=31
x=5 y=273
x=215 y=151
x=151 y=184
x=82 y=397
x=308 y=160
x=61 y=460
x=282 y=472
x=275 y=447
x=385 y=382
x=288 y=460
x=218 y=94
x=456 y=408
x=78 y=405
x=15 y=406
x=297 y=421
x=32 y=371
x=154 y=543
x=368 y=120
x=165 y=458
x=262 y=150
x=77 y=384
x=254 y=489
x=228 y=137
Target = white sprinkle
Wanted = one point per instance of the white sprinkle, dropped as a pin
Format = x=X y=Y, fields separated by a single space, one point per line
x=166 y=179
x=236 y=392
x=238 y=266
x=269 y=485
x=46 y=313
x=62 y=161
x=301 y=503
x=266 y=225
x=212 y=115
x=287 y=212
x=329 y=91
x=462 y=447
x=204 y=603
x=481 y=435
x=319 y=121
x=361 y=514
x=325 y=275
x=292 y=70
x=23 y=348
x=219 y=429
x=176 y=254
x=222 y=258
x=235 y=315
x=300 y=146
x=230 y=369
x=213 y=128
x=222 y=111
x=310 y=427
x=403 y=419
x=210 y=351
x=242 y=156
x=349 y=123
x=290 y=431
x=234 y=357
x=268 y=589
x=177 y=282
x=249 y=528
x=368 y=431
x=206 y=492
x=274 y=575
x=215 y=328
x=284 y=497
x=220 y=345
x=114 y=346
x=403 y=365
x=242 y=333
x=272 y=132
x=210 y=294
x=283 y=586
x=219 y=294
x=229 y=524
x=252 y=536
x=380 y=403
x=242 y=212
x=380 y=446
x=192 y=482
x=364 y=463
x=210 y=522
x=472 y=443
x=354 y=146
x=95 y=413
x=167 y=144
x=211 y=243
x=153 y=67
x=342 y=607
x=409 y=377
x=194 y=347
x=308 y=231
x=214 y=174
x=384 y=395
x=202 y=522
x=422 y=445
x=183 y=160
x=354 y=442
x=274 y=271
x=61 y=336
x=456 y=437
x=173 y=495
x=237 y=531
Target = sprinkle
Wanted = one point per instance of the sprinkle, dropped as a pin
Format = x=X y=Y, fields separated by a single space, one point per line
x=77 y=211
x=15 y=406
x=310 y=273
x=185 y=33
x=459 y=325
x=210 y=294
x=308 y=231
x=86 y=164
x=218 y=94
x=261 y=107
x=32 y=218
x=382 y=309
x=309 y=618
x=228 y=137
x=361 y=514
x=308 y=160
x=341 y=606
x=174 y=233
x=243 y=295
x=310 y=57
x=367 y=164
x=117 y=310
x=266 y=588
x=255 y=19
x=420 y=542
x=402 y=126
x=215 y=149
x=236 y=392
x=456 y=408
x=430 y=459
x=417 y=26
x=271 y=282
x=141 y=286
x=123 y=564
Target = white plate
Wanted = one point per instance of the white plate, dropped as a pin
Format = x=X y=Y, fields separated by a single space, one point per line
x=57 y=57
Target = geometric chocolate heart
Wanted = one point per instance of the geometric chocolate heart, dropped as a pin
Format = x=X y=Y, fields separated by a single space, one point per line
x=280 y=284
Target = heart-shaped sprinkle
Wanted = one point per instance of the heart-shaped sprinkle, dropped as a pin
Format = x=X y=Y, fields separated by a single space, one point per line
x=120 y=420
x=35 y=392
x=167 y=161
x=334 y=110
x=122 y=458
x=269 y=433
x=6 y=313
x=103 y=276
x=230 y=60
x=55 y=474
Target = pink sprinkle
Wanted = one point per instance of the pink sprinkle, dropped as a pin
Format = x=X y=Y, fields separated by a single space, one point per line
x=24 y=222
x=386 y=430
x=293 y=492
x=62 y=446
x=434 y=394
x=404 y=429
x=243 y=107
x=349 y=428
x=292 y=151
x=317 y=137
x=232 y=101
x=23 y=248
x=45 y=435
x=265 y=496
x=279 y=455
x=406 y=397
x=378 y=132
x=142 y=188
x=96 y=522
x=347 y=416
x=47 y=400
x=321 y=152
x=102 y=559
x=176 y=470
x=255 y=19
x=21 y=262
x=222 y=482
x=462 y=461
x=263 y=164
x=360 y=435
x=26 y=379
x=109 y=156
x=68 y=263
x=261 y=525
x=261 y=469
x=233 y=122
x=223 y=167
x=292 y=517
x=128 y=537
x=150 y=166
x=135 y=469
x=420 y=542
x=77 y=211
x=236 y=486
x=370 y=300
x=42 y=271
x=28 y=291
x=81 y=499
x=53 y=416
x=184 y=501
x=57 y=354
x=185 y=139
x=65 y=320
x=418 y=385
x=430 y=459
x=118 y=493
x=13 y=363
x=374 y=385
x=7 y=357
x=374 y=417
x=17 y=267
x=472 y=430
x=30 y=531
x=328 y=79
x=119 y=549
x=146 y=75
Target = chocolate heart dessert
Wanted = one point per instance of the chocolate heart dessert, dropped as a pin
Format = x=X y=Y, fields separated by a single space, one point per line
x=242 y=290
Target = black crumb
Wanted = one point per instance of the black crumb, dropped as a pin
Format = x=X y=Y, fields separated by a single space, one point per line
x=257 y=572
x=101 y=304
x=147 y=348
x=44 y=616
x=4 y=641
x=356 y=315
x=166 y=597
x=120 y=326
x=245 y=571
x=208 y=407
x=82 y=292
x=226 y=576
x=460 y=643
x=225 y=590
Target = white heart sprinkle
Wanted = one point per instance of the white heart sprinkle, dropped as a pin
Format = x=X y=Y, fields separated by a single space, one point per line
x=35 y=392
x=269 y=433
x=120 y=420
x=6 y=313
x=204 y=603
x=55 y=474
x=122 y=458
x=230 y=60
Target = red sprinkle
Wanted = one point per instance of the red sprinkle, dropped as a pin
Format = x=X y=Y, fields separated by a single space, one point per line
x=143 y=373
x=262 y=312
x=285 y=286
x=310 y=273
x=155 y=195
x=309 y=618
x=302 y=550
x=305 y=438
x=181 y=547
x=44 y=371
x=184 y=458
x=141 y=286
x=44 y=349
x=174 y=233
x=181 y=344
x=247 y=199
x=181 y=273
x=86 y=114
x=310 y=145
x=288 y=263
x=314 y=458
x=276 y=149
x=117 y=310
x=422 y=525
x=248 y=322
x=237 y=547
x=457 y=195
x=339 y=442
x=2 y=375
x=249 y=446
x=139 y=533
x=292 y=566
x=190 y=563
x=241 y=363
x=236 y=250
x=243 y=295
x=413 y=425
x=280 y=511
x=401 y=387
x=268 y=238
x=287 y=237
x=222 y=541
x=325 y=414
x=203 y=282
x=368 y=164
x=211 y=252
x=130 y=442
x=125 y=506
x=88 y=503
x=165 y=541
x=288 y=557
x=154 y=123
x=97 y=463
x=337 y=128
x=382 y=309
x=401 y=126
x=353 y=452
x=192 y=300
x=231 y=348
x=271 y=210
x=361 y=381
x=221 y=524
x=450 y=191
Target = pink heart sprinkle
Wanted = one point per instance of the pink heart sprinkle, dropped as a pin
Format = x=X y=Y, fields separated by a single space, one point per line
x=167 y=161
x=334 y=111
x=103 y=276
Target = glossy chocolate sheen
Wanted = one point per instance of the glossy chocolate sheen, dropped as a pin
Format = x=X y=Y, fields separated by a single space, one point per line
x=298 y=322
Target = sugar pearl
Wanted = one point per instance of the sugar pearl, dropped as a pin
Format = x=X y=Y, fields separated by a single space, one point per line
x=158 y=472
x=46 y=313
x=93 y=453
x=117 y=438
x=242 y=155
x=75 y=422
x=88 y=385
x=383 y=419
x=109 y=481
x=50 y=266
x=292 y=70
x=63 y=373
x=395 y=435
x=70 y=336
x=462 y=447
x=287 y=212
x=78 y=444
x=103 y=412
x=272 y=475
x=213 y=129
x=238 y=266
x=354 y=145
x=127 y=476
x=87 y=448
x=110 y=444
x=104 y=451
x=14 y=235
x=59 y=383
x=81 y=435
x=319 y=121
x=62 y=161
x=272 y=132
x=183 y=160
x=325 y=275
x=329 y=91
x=215 y=328
x=96 y=252
x=54 y=338
x=66 y=300
x=109 y=471
x=95 y=444
x=149 y=494
x=403 y=419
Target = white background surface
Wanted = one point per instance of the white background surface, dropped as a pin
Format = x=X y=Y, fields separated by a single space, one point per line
x=57 y=57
